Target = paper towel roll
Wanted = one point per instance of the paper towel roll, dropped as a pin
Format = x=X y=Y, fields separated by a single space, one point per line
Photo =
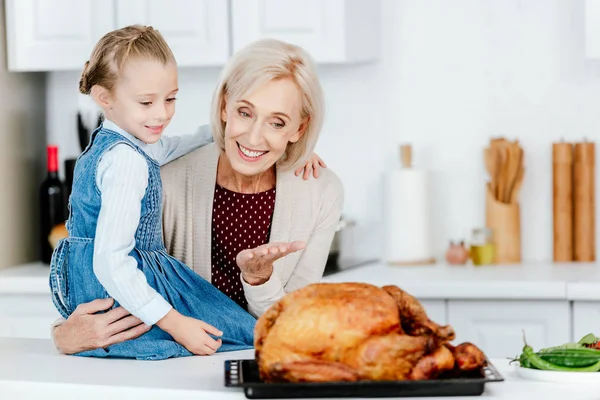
x=406 y=216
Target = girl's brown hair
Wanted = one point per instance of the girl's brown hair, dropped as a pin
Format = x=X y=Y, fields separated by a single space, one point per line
x=115 y=48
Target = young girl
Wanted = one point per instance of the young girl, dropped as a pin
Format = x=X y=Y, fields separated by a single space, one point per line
x=115 y=245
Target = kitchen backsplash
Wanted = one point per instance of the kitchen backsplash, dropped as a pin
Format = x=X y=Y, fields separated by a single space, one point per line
x=452 y=75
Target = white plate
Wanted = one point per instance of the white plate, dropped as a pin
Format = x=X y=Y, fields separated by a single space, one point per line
x=557 y=376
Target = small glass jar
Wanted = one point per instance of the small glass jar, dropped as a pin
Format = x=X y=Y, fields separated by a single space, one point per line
x=482 y=246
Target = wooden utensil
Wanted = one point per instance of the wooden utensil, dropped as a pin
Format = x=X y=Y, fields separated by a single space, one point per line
x=509 y=165
x=502 y=206
x=491 y=164
x=504 y=163
x=514 y=194
x=503 y=177
x=515 y=168
x=406 y=155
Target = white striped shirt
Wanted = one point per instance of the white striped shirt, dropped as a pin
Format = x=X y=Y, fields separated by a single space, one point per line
x=122 y=179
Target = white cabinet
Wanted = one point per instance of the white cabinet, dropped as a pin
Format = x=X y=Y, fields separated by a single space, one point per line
x=197 y=30
x=26 y=315
x=496 y=326
x=51 y=35
x=586 y=318
x=332 y=31
x=436 y=310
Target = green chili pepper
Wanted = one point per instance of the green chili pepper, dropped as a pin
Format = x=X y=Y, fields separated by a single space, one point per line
x=524 y=361
x=539 y=363
x=568 y=361
x=561 y=358
x=571 y=357
x=583 y=352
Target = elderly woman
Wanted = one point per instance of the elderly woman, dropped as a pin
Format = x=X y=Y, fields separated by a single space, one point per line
x=234 y=211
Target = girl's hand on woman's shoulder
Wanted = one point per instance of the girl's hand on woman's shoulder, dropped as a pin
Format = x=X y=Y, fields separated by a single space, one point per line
x=257 y=264
x=313 y=164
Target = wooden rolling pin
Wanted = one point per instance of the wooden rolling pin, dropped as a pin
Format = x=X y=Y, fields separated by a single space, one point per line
x=584 y=198
x=562 y=201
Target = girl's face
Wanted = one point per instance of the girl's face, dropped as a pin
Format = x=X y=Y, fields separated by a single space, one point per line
x=143 y=99
x=259 y=126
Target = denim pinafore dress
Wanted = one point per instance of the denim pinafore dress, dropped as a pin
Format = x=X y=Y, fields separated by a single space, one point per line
x=73 y=282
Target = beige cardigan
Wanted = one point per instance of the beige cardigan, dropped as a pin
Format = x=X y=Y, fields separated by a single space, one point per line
x=304 y=210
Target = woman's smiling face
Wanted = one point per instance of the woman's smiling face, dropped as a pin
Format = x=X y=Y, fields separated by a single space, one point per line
x=259 y=126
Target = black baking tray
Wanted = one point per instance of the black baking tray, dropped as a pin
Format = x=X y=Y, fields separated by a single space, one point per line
x=244 y=374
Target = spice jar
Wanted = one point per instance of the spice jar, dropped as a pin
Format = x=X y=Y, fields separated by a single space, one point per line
x=457 y=254
x=482 y=246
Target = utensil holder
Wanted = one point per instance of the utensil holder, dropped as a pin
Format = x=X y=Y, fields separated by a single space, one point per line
x=504 y=220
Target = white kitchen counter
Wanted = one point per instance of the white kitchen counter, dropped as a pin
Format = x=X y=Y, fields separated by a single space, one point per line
x=489 y=306
x=540 y=281
x=31 y=369
x=25 y=279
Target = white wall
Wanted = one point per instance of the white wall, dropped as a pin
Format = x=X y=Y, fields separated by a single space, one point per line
x=453 y=73
x=21 y=159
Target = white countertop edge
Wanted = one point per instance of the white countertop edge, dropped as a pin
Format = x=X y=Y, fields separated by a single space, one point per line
x=25 y=279
x=31 y=368
x=437 y=282
x=51 y=390
x=506 y=290
x=583 y=291
x=25 y=286
x=488 y=290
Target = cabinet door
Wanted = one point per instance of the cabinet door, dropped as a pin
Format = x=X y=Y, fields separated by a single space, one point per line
x=331 y=31
x=586 y=318
x=196 y=30
x=497 y=326
x=52 y=35
x=436 y=310
x=27 y=316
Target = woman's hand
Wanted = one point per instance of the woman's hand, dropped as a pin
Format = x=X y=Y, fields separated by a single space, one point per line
x=86 y=330
x=257 y=264
x=313 y=164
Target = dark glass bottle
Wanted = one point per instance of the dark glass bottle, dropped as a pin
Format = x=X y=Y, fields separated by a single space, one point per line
x=52 y=203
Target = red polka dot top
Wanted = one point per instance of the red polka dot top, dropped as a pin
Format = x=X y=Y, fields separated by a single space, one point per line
x=240 y=221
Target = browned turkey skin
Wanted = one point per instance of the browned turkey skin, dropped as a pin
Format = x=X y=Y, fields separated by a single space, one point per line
x=328 y=332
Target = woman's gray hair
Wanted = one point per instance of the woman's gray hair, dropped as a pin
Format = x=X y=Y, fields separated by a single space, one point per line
x=261 y=62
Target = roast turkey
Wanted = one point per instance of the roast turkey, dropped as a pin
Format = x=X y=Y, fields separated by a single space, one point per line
x=328 y=332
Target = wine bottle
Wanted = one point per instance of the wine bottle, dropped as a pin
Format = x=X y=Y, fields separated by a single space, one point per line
x=52 y=203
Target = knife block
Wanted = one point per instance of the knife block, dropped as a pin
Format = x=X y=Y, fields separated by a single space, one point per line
x=504 y=220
